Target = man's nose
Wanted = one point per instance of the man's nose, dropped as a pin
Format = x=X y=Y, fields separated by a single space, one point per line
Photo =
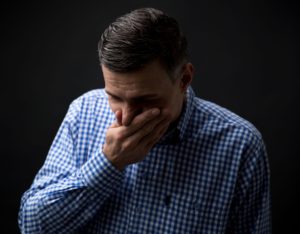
x=129 y=112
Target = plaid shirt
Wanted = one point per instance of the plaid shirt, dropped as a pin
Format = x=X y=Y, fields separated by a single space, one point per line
x=208 y=175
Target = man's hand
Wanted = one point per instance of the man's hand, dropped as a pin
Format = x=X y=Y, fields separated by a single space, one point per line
x=130 y=144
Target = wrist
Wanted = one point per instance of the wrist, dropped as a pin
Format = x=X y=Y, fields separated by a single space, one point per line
x=117 y=164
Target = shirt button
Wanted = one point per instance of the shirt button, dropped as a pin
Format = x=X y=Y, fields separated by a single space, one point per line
x=197 y=207
x=138 y=209
x=145 y=176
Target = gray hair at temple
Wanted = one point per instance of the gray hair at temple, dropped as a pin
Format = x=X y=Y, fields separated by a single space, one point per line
x=138 y=38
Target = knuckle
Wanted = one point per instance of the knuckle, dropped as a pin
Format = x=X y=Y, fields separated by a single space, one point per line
x=127 y=145
x=108 y=140
x=119 y=136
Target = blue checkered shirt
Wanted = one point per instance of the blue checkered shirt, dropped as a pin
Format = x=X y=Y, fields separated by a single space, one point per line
x=210 y=174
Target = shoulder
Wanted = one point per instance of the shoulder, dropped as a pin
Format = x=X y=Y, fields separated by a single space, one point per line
x=89 y=104
x=91 y=96
x=214 y=119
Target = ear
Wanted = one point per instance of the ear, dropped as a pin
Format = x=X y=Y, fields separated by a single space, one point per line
x=187 y=74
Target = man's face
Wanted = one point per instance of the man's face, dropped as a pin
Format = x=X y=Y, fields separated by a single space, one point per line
x=134 y=92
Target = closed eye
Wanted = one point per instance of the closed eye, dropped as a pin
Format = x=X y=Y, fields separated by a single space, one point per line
x=114 y=97
x=140 y=99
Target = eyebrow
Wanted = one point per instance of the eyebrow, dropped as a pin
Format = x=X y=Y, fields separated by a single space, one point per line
x=145 y=96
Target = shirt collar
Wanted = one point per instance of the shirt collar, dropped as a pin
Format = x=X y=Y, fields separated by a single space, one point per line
x=186 y=113
x=175 y=135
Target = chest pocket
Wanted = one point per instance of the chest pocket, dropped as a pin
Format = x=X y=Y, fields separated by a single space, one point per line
x=181 y=214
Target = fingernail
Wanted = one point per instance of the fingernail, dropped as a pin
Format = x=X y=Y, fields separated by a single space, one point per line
x=155 y=112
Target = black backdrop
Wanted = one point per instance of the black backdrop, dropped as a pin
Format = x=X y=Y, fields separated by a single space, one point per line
x=246 y=59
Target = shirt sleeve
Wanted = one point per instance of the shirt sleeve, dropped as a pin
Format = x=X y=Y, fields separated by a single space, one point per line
x=64 y=196
x=251 y=207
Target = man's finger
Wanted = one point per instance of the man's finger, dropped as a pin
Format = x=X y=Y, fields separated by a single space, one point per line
x=145 y=131
x=156 y=138
x=139 y=121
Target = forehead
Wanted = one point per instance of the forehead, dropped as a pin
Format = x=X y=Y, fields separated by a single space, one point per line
x=151 y=79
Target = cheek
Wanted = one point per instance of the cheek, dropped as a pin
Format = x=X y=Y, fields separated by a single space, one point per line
x=172 y=110
x=168 y=113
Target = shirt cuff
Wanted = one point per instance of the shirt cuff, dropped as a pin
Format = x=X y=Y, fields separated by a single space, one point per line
x=100 y=174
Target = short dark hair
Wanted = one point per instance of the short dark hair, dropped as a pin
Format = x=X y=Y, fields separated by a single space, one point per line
x=139 y=37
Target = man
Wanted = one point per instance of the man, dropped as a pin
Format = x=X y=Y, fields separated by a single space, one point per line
x=145 y=155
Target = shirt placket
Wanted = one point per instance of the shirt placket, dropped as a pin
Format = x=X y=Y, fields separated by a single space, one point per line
x=160 y=165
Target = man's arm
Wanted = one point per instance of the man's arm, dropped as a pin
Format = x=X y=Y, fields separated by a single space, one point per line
x=64 y=197
x=251 y=207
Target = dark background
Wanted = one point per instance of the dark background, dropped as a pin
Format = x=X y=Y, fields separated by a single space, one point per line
x=246 y=55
